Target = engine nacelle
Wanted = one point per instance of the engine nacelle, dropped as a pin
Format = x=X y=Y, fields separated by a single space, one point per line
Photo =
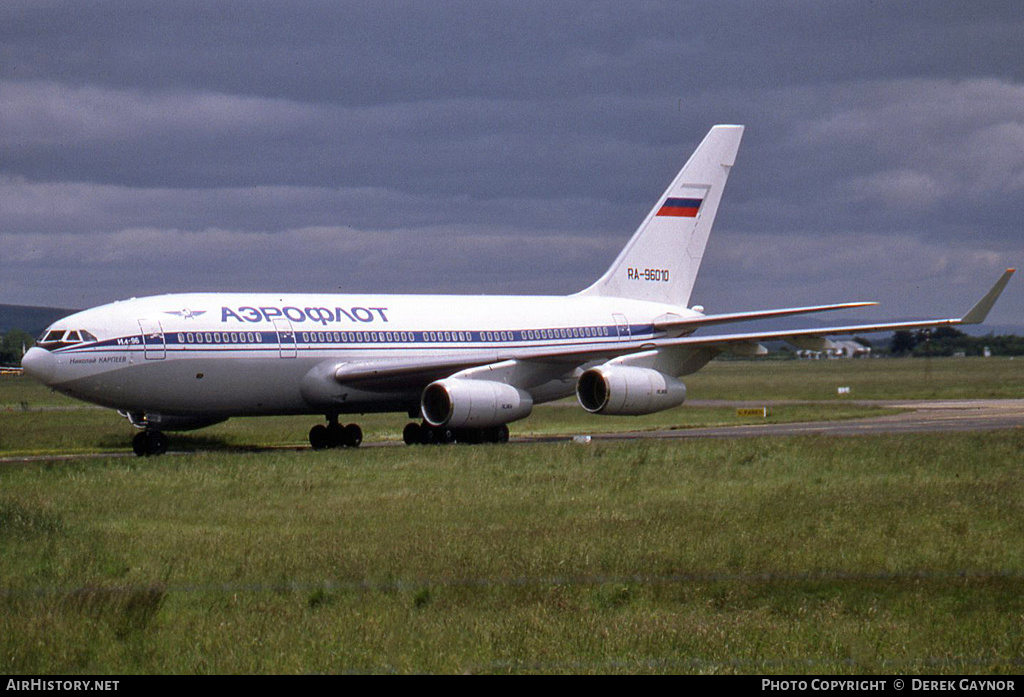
x=466 y=403
x=628 y=390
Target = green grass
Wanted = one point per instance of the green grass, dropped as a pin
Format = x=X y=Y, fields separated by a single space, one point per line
x=830 y=555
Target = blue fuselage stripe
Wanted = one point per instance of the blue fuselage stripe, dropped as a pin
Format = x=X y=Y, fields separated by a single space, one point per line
x=306 y=339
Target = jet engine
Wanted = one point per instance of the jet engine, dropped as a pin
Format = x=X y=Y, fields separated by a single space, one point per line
x=628 y=390
x=466 y=403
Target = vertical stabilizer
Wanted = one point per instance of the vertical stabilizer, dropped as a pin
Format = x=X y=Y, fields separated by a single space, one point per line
x=660 y=262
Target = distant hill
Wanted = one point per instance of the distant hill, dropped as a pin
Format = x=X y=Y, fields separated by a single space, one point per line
x=30 y=319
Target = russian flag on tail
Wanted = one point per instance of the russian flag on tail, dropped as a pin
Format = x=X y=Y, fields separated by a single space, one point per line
x=680 y=207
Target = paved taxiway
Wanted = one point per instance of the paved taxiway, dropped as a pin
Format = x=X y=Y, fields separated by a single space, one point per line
x=918 y=417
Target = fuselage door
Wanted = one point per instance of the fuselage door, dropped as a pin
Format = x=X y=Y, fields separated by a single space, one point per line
x=153 y=342
x=621 y=327
x=285 y=338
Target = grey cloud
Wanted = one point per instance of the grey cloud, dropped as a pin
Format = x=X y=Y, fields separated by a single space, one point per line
x=906 y=273
x=62 y=209
x=366 y=53
x=440 y=259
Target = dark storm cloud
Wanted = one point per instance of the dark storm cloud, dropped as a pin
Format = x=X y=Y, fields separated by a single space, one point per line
x=216 y=145
x=361 y=53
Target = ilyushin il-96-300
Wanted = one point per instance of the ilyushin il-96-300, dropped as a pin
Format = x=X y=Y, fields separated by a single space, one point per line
x=463 y=367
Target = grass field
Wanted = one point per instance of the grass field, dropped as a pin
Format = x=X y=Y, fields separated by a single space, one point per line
x=876 y=554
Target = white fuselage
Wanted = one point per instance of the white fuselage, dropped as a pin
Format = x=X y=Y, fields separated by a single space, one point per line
x=234 y=354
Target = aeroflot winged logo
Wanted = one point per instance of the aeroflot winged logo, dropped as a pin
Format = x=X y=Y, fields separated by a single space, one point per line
x=680 y=207
x=186 y=313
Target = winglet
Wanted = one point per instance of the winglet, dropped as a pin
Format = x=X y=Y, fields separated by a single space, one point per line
x=979 y=312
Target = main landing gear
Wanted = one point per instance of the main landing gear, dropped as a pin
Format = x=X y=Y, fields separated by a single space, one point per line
x=149 y=442
x=334 y=435
x=425 y=434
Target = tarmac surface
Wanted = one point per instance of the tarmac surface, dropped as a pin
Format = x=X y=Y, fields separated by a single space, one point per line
x=919 y=417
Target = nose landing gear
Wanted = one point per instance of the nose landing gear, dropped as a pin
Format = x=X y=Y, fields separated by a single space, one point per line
x=149 y=442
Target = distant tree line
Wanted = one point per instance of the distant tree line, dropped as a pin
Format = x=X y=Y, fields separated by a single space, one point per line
x=13 y=345
x=947 y=341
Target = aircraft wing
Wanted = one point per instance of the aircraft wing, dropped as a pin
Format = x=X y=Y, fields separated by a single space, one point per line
x=688 y=324
x=419 y=372
x=415 y=371
x=976 y=315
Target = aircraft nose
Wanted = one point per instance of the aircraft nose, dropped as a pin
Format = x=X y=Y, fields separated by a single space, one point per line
x=40 y=364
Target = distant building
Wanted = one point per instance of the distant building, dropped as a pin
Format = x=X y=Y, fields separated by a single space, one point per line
x=849 y=349
x=839 y=349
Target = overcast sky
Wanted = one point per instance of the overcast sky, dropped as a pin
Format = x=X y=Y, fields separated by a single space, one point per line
x=477 y=147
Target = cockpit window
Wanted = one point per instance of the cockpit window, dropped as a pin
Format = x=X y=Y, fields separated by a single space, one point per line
x=59 y=338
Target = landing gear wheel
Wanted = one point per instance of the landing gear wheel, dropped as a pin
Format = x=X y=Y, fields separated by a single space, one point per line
x=436 y=435
x=352 y=436
x=496 y=434
x=334 y=435
x=425 y=434
x=139 y=445
x=149 y=443
x=319 y=437
x=412 y=434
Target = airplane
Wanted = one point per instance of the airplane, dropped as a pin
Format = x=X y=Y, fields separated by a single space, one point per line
x=467 y=365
